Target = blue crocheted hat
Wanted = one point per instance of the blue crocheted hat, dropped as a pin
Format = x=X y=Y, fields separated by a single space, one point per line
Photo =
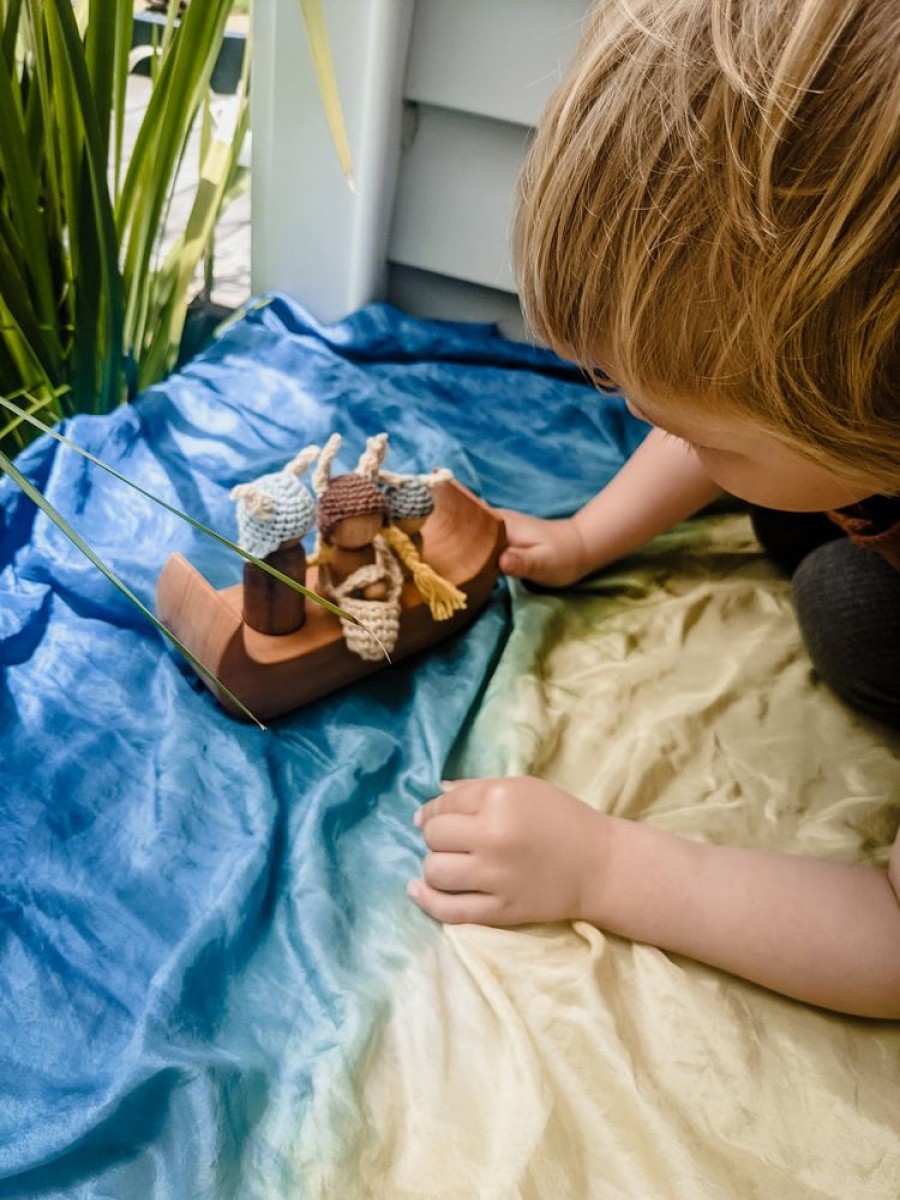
x=276 y=507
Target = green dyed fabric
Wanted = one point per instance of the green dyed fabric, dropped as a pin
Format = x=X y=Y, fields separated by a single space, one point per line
x=555 y=1061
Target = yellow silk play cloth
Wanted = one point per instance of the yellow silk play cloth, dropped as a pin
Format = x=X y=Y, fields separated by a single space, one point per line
x=557 y=1063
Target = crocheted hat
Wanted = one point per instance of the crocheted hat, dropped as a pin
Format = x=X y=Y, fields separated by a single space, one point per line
x=276 y=507
x=348 y=496
x=408 y=500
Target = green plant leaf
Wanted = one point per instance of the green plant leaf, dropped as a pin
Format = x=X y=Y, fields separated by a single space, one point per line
x=122 y=65
x=11 y=11
x=34 y=405
x=21 y=197
x=185 y=70
x=217 y=171
x=323 y=62
x=100 y=36
x=198 y=525
x=84 y=152
x=75 y=538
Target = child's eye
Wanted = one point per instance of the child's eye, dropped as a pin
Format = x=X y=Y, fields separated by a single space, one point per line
x=604 y=382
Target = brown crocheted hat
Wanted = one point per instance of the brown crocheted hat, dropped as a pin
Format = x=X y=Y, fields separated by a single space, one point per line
x=348 y=496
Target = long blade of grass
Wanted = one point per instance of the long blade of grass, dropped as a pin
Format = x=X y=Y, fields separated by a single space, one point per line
x=323 y=62
x=68 y=142
x=219 y=163
x=17 y=299
x=171 y=25
x=40 y=135
x=99 y=49
x=184 y=75
x=11 y=11
x=22 y=193
x=34 y=405
x=82 y=142
x=61 y=523
x=26 y=364
x=124 y=30
x=162 y=352
x=198 y=525
x=44 y=147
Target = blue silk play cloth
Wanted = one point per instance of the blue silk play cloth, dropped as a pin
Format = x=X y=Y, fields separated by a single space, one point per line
x=195 y=915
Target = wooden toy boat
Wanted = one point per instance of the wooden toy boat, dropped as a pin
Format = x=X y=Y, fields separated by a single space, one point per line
x=462 y=540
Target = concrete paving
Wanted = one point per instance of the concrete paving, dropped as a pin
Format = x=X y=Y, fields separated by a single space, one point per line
x=232 y=245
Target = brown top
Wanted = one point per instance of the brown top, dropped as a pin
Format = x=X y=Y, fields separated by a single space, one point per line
x=349 y=496
x=875 y=524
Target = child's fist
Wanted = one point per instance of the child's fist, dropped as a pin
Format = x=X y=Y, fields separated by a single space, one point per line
x=509 y=852
x=551 y=553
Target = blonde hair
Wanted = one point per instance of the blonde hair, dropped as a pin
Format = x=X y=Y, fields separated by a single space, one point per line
x=711 y=200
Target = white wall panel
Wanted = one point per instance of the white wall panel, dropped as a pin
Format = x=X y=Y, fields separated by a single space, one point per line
x=474 y=76
x=311 y=236
x=499 y=58
x=423 y=294
x=454 y=199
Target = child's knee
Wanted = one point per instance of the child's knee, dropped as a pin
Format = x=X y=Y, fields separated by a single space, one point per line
x=848 y=607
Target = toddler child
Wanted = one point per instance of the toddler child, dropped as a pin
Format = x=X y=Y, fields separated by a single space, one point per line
x=709 y=224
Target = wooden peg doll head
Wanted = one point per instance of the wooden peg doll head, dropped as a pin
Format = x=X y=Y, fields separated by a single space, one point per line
x=351 y=512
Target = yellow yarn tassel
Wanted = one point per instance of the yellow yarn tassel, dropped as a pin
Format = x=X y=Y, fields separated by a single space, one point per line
x=321 y=553
x=442 y=597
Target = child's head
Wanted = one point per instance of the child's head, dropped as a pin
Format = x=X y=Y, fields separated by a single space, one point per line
x=711 y=213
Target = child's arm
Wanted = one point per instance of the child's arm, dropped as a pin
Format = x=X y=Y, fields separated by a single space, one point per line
x=513 y=851
x=661 y=484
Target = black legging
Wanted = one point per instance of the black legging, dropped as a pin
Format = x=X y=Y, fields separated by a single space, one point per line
x=848 y=606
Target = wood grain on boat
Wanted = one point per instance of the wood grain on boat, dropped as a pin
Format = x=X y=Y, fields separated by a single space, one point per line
x=272 y=675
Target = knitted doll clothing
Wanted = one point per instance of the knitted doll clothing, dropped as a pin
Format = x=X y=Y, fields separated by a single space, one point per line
x=381 y=617
x=279 y=508
x=409 y=500
x=348 y=496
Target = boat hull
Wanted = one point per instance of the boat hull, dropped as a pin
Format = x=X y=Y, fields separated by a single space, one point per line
x=272 y=675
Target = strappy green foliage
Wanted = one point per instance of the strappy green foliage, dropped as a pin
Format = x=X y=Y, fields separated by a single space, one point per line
x=92 y=309
x=89 y=310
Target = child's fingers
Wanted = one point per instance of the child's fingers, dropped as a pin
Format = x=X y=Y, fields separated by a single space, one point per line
x=462 y=797
x=452 y=873
x=465 y=908
x=526 y=553
x=450 y=832
x=513 y=562
x=525 y=560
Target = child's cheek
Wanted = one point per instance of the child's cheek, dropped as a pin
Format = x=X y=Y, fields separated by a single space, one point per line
x=792 y=487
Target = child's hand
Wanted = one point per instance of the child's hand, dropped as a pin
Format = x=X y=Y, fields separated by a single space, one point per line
x=509 y=852
x=549 y=552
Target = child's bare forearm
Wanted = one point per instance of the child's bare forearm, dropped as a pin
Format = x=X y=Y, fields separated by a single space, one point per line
x=661 y=484
x=823 y=932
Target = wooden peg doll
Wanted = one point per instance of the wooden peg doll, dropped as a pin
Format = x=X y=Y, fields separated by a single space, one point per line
x=410 y=503
x=356 y=567
x=350 y=517
x=274 y=513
